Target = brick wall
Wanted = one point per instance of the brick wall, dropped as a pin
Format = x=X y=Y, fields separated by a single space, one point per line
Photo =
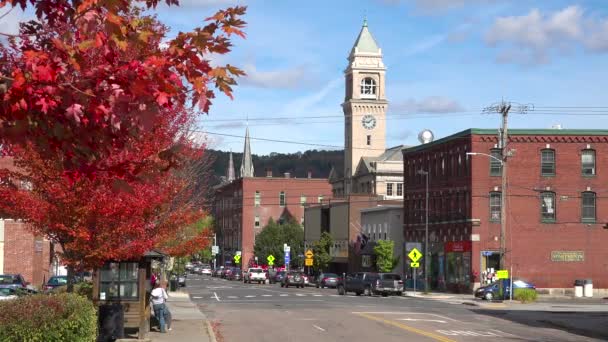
x=25 y=254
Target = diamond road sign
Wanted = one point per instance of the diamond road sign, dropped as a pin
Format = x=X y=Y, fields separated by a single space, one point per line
x=415 y=255
x=309 y=254
x=237 y=258
x=270 y=260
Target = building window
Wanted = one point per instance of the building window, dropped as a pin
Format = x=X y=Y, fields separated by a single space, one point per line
x=302 y=200
x=547 y=162
x=399 y=189
x=495 y=165
x=282 y=198
x=389 y=189
x=368 y=88
x=588 y=206
x=495 y=206
x=588 y=162
x=119 y=281
x=547 y=204
x=320 y=199
x=258 y=199
x=369 y=140
x=256 y=222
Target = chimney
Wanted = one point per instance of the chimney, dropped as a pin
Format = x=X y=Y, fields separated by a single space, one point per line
x=287 y=174
x=269 y=172
x=309 y=173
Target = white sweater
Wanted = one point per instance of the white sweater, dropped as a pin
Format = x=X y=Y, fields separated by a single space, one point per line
x=159 y=295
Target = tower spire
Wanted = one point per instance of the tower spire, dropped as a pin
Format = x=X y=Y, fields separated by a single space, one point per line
x=230 y=175
x=247 y=162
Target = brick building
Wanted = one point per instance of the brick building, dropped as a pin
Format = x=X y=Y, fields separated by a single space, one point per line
x=556 y=206
x=23 y=252
x=244 y=206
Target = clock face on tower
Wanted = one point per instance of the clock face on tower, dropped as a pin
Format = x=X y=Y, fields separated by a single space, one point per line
x=368 y=121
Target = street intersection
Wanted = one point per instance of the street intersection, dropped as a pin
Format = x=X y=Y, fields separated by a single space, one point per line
x=268 y=312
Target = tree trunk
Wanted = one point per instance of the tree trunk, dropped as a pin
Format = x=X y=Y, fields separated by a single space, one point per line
x=70 y=288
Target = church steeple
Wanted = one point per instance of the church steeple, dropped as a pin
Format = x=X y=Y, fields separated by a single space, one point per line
x=247 y=162
x=230 y=174
x=365 y=43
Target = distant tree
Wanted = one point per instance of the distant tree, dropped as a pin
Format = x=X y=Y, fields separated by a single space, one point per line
x=320 y=248
x=385 y=260
x=271 y=239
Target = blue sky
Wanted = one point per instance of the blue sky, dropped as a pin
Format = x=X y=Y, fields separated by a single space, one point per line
x=446 y=60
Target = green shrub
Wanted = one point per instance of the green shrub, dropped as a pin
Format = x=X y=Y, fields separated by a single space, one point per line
x=56 y=317
x=525 y=295
x=83 y=289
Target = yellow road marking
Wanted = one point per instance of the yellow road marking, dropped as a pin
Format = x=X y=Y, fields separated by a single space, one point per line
x=407 y=328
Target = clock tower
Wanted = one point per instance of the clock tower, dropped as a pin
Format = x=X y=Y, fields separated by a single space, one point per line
x=364 y=104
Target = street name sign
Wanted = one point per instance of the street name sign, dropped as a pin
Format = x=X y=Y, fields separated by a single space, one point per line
x=270 y=260
x=415 y=255
x=215 y=250
x=238 y=253
x=502 y=274
x=414 y=264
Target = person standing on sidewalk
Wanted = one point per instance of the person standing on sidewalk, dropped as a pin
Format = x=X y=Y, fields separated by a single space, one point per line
x=159 y=297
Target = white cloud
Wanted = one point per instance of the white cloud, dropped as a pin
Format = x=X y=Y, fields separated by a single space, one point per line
x=431 y=104
x=532 y=38
x=425 y=45
x=289 y=78
x=307 y=103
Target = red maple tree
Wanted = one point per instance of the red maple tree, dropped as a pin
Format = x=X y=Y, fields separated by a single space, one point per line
x=95 y=112
x=90 y=76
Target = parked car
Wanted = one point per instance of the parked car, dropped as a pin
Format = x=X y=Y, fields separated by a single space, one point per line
x=55 y=281
x=359 y=283
x=13 y=281
x=181 y=280
x=236 y=274
x=278 y=277
x=492 y=291
x=189 y=266
x=8 y=293
x=254 y=274
x=206 y=270
x=217 y=272
x=388 y=284
x=293 y=279
x=306 y=280
x=326 y=280
x=196 y=270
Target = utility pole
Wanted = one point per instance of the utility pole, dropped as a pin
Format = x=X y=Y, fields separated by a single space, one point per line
x=503 y=108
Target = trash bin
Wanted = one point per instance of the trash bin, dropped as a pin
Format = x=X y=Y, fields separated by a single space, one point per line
x=588 y=288
x=578 y=288
x=173 y=285
x=111 y=322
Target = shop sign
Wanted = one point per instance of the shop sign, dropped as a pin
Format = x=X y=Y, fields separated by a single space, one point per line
x=458 y=246
x=567 y=256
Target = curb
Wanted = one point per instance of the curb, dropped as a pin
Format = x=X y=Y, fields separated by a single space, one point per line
x=210 y=331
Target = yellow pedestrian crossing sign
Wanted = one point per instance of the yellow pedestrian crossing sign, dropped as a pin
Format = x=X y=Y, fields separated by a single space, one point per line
x=270 y=260
x=415 y=255
x=414 y=264
x=237 y=258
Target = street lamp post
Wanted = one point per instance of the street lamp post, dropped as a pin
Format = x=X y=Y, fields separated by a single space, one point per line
x=426 y=232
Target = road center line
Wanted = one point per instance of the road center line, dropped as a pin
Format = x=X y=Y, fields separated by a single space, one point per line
x=407 y=328
x=216 y=297
x=318 y=327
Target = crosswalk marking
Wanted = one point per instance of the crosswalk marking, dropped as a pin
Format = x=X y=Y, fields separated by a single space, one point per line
x=233 y=297
x=300 y=295
x=284 y=295
x=266 y=295
x=249 y=296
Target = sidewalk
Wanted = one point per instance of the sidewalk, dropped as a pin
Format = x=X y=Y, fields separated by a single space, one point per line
x=544 y=303
x=189 y=324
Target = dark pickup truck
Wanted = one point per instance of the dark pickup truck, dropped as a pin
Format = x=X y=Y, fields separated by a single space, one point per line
x=369 y=283
x=359 y=283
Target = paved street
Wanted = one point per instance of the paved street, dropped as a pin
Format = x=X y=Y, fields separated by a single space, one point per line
x=255 y=312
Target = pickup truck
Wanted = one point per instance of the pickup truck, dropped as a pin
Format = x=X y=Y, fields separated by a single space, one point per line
x=387 y=284
x=254 y=274
x=359 y=283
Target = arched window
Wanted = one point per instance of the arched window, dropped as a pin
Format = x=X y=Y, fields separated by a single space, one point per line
x=368 y=88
